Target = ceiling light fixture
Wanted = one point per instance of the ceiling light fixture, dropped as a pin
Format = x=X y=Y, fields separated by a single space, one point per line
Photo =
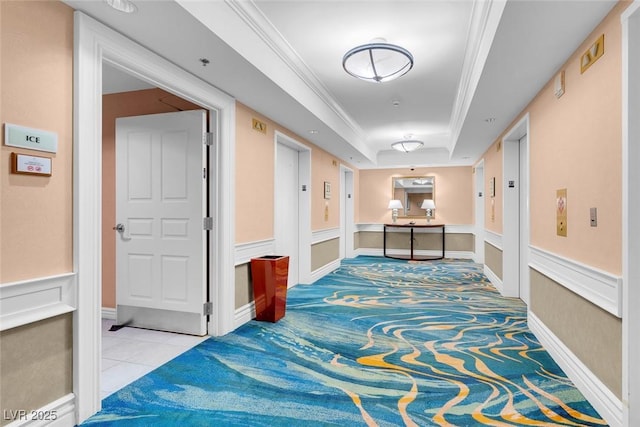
x=407 y=145
x=377 y=61
x=122 y=5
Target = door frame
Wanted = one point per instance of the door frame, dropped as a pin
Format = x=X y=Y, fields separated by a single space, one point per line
x=94 y=44
x=346 y=212
x=304 y=202
x=630 y=214
x=515 y=252
x=479 y=212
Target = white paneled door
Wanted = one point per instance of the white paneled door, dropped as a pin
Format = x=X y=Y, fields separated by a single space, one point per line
x=160 y=206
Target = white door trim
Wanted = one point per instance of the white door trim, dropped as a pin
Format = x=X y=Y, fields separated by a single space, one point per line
x=479 y=212
x=93 y=44
x=304 y=202
x=630 y=213
x=346 y=212
x=512 y=260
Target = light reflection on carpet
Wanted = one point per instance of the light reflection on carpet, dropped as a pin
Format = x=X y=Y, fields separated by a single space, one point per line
x=377 y=342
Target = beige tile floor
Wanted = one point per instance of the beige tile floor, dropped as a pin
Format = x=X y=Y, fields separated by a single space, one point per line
x=130 y=353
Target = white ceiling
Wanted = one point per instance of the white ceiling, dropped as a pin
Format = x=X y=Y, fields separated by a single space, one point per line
x=283 y=58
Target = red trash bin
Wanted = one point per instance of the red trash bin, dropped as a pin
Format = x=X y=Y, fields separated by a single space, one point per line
x=269 y=275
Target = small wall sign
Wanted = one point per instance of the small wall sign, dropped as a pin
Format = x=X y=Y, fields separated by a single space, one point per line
x=327 y=190
x=258 y=125
x=30 y=165
x=33 y=139
x=561 y=212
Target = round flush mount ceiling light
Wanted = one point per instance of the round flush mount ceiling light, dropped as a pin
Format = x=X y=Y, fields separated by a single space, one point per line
x=377 y=61
x=407 y=145
x=122 y=5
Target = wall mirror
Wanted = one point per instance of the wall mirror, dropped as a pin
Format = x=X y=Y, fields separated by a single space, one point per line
x=412 y=191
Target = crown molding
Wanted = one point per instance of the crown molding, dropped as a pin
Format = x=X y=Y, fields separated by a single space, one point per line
x=252 y=16
x=485 y=18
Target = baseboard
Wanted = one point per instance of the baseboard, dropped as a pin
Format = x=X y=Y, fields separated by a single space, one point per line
x=59 y=413
x=109 y=313
x=323 y=271
x=244 y=314
x=601 y=398
x=493 y=278
x=459 y=254
x=368 y=252
x=447 y=254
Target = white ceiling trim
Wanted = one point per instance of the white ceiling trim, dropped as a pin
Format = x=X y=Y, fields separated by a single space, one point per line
x=485 y=18
x=249 y=12
x=250 y=34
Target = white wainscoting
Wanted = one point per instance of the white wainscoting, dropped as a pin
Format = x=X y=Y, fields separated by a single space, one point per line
x=245 y=314
x=324 y=270
x=601 y=288
x=602 y=399
x=493 y=278
x=449 y=229
x=447 y=254
x=29 y=301
x=493 y=238
x=320 y=236
x=246 y=251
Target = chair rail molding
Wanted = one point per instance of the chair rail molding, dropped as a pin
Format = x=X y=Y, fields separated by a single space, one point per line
x=599 y=287
x=493 y=238
x=248 y=250
x=324 y=235
x=32 y=300
x=449 y=228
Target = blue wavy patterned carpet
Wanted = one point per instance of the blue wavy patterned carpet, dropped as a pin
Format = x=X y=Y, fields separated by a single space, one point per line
x=377 y=342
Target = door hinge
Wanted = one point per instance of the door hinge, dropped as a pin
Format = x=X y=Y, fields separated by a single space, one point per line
x=208 y=138
x=207 y=309
x=204 y=173
x=207 y=223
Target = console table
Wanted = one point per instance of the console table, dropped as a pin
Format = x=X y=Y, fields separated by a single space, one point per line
x=411 y=257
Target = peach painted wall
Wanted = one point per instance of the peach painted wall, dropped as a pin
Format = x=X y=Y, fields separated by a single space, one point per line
x=37 y=91
x=576 y=143
x=135 y=103
x=453 y=195
x=255 y=155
